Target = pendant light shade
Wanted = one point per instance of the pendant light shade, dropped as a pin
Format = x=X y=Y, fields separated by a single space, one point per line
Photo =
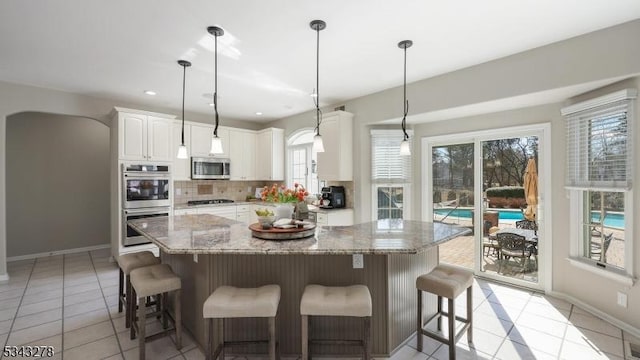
x=182 y=149
x=216 y=142
x=405 y=146
x=318 y=146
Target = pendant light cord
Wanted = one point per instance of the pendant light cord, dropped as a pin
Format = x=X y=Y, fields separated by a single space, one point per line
x=317 y=98
x=184 y=76
x=406 y=102
x=215 y=89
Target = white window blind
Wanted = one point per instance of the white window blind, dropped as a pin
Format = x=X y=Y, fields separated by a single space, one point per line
x=599 y=143
x=387 y=166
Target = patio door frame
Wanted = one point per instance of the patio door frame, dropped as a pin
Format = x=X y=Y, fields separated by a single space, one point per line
x=544 y=216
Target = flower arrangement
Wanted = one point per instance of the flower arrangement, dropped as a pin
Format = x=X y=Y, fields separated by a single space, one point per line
x=280 y=194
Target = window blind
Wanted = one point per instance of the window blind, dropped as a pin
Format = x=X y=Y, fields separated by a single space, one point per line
x=599 y=146
x=387 y=166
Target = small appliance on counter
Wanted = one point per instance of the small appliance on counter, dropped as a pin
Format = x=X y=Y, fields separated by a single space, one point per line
x=333 y=197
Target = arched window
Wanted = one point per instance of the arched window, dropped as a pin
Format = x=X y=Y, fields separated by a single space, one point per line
x=301 y=164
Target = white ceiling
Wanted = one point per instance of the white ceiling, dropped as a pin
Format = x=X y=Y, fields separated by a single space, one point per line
x=117 y=49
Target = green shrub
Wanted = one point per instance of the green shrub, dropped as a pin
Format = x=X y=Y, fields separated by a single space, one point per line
x=506 y=192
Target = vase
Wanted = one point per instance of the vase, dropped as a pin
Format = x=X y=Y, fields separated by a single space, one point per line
x=284 y=211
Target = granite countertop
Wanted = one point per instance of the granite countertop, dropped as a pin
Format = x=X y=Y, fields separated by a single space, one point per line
x=210 y=234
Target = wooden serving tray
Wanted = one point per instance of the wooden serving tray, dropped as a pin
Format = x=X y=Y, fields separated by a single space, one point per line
x=282 y=234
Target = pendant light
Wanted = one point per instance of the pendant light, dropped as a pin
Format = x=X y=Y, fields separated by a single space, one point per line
x=318 y=146
x=405 y=148
x=182 y=149
x=216 y=142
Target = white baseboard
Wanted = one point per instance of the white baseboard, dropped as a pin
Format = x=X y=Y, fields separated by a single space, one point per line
x=58 y=252
x=4 y=278
x=596 y=312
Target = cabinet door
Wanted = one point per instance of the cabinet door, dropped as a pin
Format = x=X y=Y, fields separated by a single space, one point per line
x=181 y=167
x=132 y=136
x=185 y=212
x=159 y=139
x=263 y=156
x=250 y=139
x=236 y=154
x=201 y=140
x=228 y=212
x=328 y=161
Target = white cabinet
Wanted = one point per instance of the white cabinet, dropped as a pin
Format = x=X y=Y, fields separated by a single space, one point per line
x=243 y=213
x=342 y=217
x=177 y=212
x=336 y=162
x=201 y=135
x=143 y=137
x=270 y=155
x=181 y=169
x=228 y=212
x=242 y=152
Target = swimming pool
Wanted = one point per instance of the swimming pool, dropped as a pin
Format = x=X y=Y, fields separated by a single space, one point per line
x=615 y=220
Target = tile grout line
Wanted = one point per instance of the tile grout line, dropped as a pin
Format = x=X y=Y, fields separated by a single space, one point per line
x=113 y=326
x=15 y=316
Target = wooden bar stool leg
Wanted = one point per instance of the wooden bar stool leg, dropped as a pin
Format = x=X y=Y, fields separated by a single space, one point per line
x=222 y=341
x=470 y=313
x=177 y=310
x=452 y=330
x=131 y=315
x=272 y=338
x=130 y=303
x=120 y=291
x=419 y=332
x=164 y=301
x=367 y=337
x=141 y=327
x=208 y=322
x=305 y=337
x=439 y=312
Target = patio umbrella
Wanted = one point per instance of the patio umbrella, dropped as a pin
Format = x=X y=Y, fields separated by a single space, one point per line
x=531 y=190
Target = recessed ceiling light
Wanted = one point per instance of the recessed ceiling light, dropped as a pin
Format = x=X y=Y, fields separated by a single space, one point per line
x=150 y=92
x=258 y=113
x=211 y=104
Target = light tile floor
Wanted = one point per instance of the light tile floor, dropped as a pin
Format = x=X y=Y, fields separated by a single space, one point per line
x=70 y=302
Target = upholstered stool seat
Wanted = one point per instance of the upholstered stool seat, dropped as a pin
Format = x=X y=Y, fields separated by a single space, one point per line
x=127 y=263
x=228 y=302
x=446 y=281
x=158 y=280
x=352 y=301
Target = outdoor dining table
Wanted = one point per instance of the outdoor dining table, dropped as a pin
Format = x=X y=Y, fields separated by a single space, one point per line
x=529 y=235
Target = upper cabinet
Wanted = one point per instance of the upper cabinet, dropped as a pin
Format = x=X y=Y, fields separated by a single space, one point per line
x=143 y=136
x=270 y=154
x=336 y=162
x=201 y=135
x=181 y=169
x=242 y=151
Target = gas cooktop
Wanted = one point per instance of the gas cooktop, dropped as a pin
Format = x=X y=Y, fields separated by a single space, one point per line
x=212 y=201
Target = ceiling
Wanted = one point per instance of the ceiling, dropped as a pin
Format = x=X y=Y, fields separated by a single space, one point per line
x=118 y=49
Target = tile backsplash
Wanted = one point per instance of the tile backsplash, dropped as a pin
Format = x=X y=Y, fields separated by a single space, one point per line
x=214 y=189
x=235 y=190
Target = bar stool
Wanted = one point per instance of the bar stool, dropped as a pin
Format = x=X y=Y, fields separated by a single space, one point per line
x=352 y=301
x=155 y=280
x=228 y=302
x=446 y=281
x=127 y=263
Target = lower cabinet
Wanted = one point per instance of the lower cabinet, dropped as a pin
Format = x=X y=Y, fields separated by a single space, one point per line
x=243 y=213
x=342 y=217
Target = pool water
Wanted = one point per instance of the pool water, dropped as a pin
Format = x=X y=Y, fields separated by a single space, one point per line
x=615 y=220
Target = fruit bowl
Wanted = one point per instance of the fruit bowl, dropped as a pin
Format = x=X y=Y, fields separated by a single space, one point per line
x=266 y=221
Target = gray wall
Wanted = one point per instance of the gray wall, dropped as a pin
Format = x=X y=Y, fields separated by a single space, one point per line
x=57 y=183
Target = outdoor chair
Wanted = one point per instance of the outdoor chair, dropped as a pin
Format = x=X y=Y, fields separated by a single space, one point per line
x=599 y=251
x=529 y=225
x=513 y=246
x=489 y=241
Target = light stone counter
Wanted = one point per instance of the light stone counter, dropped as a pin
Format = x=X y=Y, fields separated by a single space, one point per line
x=395 y=254
x=210 y=234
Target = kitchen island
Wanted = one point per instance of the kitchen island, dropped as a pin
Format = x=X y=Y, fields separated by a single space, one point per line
x=208 y=251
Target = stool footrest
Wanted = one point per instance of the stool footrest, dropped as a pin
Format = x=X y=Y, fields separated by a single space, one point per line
x=440 y=338
x=335 y=342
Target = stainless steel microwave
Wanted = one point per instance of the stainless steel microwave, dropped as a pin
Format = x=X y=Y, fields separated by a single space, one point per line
x=210 y=168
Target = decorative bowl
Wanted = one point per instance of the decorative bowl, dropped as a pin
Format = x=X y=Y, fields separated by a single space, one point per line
x=266 y=221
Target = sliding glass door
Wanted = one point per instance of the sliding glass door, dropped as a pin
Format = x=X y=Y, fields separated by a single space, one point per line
x=488 y=182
